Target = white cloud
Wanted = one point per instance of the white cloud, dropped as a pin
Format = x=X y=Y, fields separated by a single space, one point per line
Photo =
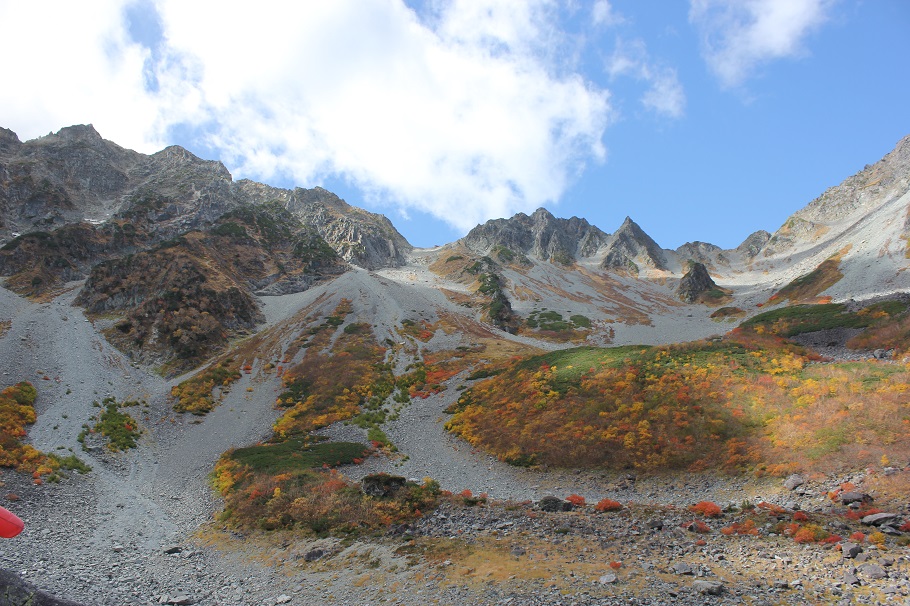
x=740 y=35
x=664 y=95
x=66 y=64
x=464 y=114
x=602 y=13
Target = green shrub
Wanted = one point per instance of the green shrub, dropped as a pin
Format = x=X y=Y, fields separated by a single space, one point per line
x=118 y=427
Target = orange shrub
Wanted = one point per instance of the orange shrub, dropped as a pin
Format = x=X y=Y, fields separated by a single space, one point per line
x=707 y=509
x=696 y=526
x=771 y=508
x=810 y=533
x=877 y=538
x=610 y=505
x=576 y=500
x=744 y=528
x=615 y=565
x=800 y=516
x=857 y=537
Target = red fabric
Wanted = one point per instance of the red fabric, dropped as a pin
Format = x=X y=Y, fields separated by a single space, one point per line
x=10 y=524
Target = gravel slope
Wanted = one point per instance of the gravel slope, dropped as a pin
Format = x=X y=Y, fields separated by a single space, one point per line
x=101 y=538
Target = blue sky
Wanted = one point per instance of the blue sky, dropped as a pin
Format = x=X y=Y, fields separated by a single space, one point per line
x=702 y=120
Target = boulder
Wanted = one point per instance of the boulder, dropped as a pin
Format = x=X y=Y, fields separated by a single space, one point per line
x=551 y=503
x=850 y=550
x=877 y=519
x=14 y=592
x=708 y=587
x=873 y=571
x=682 y=568
x=314 y=554
x=794 y=481
x=854 y=497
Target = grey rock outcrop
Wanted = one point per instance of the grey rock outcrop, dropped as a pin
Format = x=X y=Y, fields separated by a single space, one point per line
x=629 y=247
x=694 y=283
x=358 y=236
x=540 y=235
x=75 y=176
x=703 y=252
x=16 y=592
x=753 y=244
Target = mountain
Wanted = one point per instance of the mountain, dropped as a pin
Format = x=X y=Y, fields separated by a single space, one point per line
x=75 y=176
x=630 y=248
x=325 y=361
x=541 y=235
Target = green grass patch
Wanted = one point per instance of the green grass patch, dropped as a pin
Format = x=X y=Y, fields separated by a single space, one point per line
x=727 y=312
x=798 y=319
x=297 y=454
x=71 y=462
x=120 y=429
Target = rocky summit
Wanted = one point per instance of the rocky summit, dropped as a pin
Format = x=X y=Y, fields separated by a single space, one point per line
x=221 y=392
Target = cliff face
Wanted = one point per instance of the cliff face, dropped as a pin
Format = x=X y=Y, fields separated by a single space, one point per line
x=630 y=248
x=75 y=176
x=540 y=235
x=358 y=236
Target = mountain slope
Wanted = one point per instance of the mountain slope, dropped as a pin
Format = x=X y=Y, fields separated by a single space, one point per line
x=76 y=176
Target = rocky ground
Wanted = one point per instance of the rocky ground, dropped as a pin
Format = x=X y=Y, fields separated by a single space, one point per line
x=138 y=529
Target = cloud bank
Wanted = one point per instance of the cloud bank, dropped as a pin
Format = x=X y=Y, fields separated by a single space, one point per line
x=738 y=36
x=462 y=112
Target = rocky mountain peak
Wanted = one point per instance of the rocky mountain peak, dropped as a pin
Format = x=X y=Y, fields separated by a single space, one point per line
x=358 y=236
x=541 y=235
x=753 y=244
x=631 y=247
x=79 y=132
x=9 y=141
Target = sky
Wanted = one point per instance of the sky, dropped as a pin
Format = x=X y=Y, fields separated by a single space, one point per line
x=702 y=119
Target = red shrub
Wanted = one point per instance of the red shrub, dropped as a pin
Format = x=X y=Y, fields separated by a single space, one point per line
x=608 y=505
x=696 y=526
x=576 y=500
x=771 y=508
x=800 y=516
x=615 y=565
x=746 y=528
x=706 y=508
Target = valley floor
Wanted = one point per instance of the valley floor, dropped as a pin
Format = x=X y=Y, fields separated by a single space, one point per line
x=139 y=529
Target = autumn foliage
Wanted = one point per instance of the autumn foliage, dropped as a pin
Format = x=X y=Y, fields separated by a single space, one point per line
x=608 y=505
x=288 y=485
x=16 y=412
x=196 y=394
x=748 y=401
x=328 y=387
x=707 y=509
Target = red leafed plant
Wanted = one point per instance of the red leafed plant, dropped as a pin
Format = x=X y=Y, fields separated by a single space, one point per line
x=608 y=505
x=576 y=500
x=697 y=526
x=706 y=508
x=744 y=528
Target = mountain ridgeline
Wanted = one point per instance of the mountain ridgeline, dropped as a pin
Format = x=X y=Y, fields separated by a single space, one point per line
x=179 y=253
